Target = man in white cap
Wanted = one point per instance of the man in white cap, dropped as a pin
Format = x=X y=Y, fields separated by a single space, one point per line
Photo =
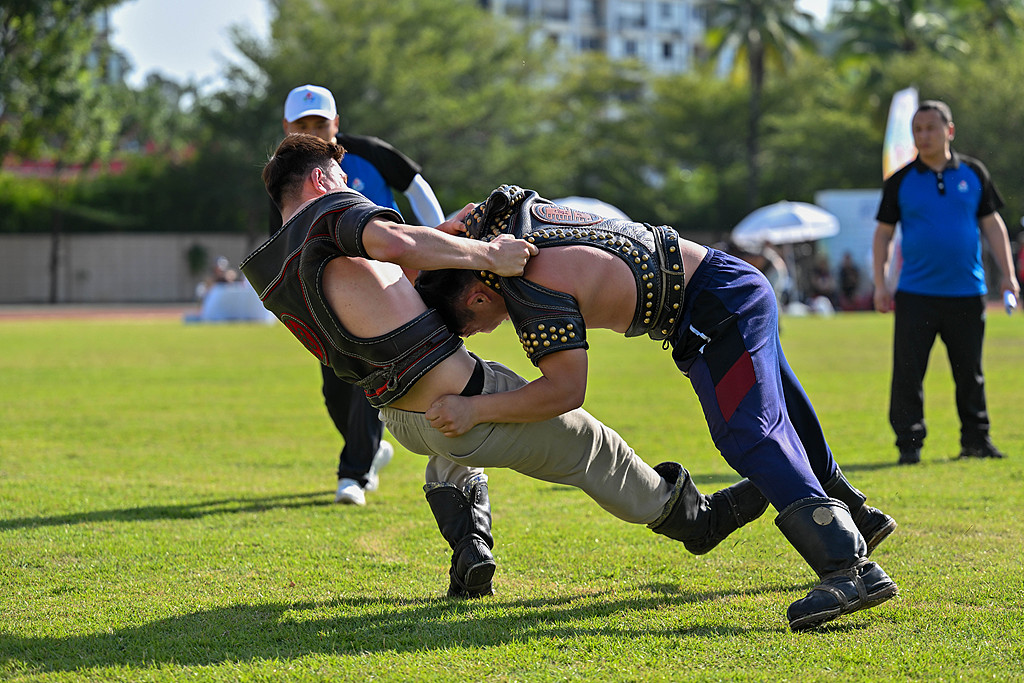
x=374 y=169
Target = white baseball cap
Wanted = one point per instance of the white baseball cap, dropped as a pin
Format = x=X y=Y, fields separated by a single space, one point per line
x=309 y=100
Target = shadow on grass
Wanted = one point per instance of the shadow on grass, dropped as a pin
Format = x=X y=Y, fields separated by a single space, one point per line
x=872 y=466
x=146 y=513
x=359 y=625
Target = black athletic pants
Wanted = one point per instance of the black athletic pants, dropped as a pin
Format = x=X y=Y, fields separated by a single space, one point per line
x=960 y=321
x=358 y=423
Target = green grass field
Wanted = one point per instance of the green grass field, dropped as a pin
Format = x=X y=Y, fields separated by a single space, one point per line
x=166 y=514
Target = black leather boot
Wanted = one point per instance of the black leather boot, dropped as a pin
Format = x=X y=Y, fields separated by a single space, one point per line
x=874 y=525
x=701 y=522
x=823 y=532
x=465 y=522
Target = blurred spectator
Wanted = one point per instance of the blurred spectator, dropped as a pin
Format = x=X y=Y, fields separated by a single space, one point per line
x=849 y=283
x=823 y=283
x=222 y=272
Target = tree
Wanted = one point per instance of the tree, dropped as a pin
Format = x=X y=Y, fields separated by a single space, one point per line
x=1004 y=17
x=159 y=117
x=756 y=34
x=821 y=134
x=53 y=95
x=597 y=134
x=878 y=29
x=51 y=79
x=698 y=155
x=444 y=81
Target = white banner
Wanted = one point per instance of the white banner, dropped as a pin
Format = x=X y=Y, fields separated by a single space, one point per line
x=898 y=148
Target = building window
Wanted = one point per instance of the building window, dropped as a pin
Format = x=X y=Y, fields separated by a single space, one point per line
x=555 y=9
x=631 y=15
x=589 y=11
x=517 y=8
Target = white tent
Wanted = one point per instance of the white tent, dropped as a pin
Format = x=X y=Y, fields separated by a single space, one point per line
x=231 y=302
x=785 y=223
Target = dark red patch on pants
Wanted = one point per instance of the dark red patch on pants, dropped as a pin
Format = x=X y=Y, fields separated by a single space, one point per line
x=734 y=385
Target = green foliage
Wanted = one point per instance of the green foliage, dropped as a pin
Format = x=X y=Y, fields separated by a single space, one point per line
x=51 y=98
x=166 y=516
x=880 y=29
x=757 y=35
x=474 y=101
x=594 y=135
x=697 y=122
x=24 y=203
x=808 y=143
x=160 y=117
x=440 y=80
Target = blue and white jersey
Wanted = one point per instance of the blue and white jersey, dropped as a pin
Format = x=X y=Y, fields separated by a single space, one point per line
x=938 y=214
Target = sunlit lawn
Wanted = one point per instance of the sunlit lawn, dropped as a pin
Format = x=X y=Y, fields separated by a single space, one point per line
x=166 y=514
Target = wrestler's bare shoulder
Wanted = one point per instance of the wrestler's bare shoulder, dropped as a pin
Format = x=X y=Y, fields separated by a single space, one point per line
x=450 y=376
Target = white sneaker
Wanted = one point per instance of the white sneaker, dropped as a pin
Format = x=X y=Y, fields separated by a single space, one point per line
x=381 y=458
x=349 y=493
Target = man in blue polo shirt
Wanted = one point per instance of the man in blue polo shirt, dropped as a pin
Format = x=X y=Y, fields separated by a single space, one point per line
x=943 y=202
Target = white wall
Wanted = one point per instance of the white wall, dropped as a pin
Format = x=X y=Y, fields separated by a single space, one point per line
x=110 y=268
x=856 y=211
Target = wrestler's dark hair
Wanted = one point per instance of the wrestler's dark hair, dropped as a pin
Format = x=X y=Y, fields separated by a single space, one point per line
x=296 y=156
x=937 y=105
x=444 y=291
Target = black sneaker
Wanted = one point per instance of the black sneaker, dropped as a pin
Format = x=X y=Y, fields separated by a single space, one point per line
x=910 y=456
x=986 y=450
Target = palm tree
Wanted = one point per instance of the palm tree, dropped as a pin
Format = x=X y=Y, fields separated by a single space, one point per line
x=1005 y=17
x=876 y=29
x=756 y=34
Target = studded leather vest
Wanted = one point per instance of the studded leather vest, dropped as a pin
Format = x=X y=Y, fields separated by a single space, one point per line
x=549 y=321
x=287 y=273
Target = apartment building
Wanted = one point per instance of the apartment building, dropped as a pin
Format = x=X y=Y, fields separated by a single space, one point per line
x=668 y=35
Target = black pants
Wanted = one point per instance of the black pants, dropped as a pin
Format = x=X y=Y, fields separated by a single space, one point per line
x=960 y=321
x=358 y=423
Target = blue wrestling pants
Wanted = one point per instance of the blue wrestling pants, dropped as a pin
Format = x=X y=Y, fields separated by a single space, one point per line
x=759 y=417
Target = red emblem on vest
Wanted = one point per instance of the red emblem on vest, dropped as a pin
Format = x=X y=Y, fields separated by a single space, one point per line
x=306 y=336
x=563 y=215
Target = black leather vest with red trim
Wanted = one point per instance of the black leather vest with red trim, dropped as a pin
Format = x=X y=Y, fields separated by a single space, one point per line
x=287 y=270
x=549 y=321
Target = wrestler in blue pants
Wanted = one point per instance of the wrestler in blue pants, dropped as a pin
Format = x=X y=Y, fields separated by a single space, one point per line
x=765 y=427
x=759 y=417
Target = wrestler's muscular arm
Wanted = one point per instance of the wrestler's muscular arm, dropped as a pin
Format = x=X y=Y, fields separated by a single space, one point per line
x=422 y=248
x=582 y=274
x=561 y=388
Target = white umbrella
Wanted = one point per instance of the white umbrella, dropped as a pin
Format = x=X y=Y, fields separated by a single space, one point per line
x=591 y=205
x=785 y=223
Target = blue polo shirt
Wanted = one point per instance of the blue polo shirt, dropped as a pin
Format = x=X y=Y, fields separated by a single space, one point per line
x=374 y=167
x=938 y=213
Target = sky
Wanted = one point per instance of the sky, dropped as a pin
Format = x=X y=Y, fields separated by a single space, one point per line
x=186 y=39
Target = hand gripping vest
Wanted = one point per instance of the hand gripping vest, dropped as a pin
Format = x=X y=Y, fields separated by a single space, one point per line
x=549 y=321
x=286 y=271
